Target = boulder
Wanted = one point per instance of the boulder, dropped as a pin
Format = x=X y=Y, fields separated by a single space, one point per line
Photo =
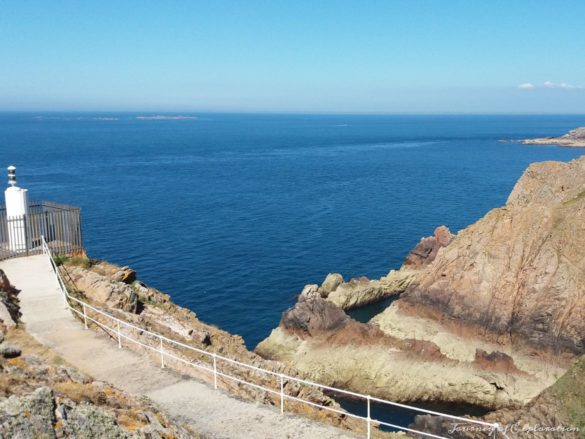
x=311 y=290
x=8 y=351
x=331 y=282
x=312 y=315
x=125 y=275
x=426 y=250
x=103 y=290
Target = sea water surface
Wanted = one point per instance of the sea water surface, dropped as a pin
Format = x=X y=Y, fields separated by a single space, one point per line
x=233 y=214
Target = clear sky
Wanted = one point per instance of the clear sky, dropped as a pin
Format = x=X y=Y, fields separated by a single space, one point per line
x=411 y=56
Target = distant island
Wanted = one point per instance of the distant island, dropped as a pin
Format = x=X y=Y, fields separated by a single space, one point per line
x=574 y=139
x=161 y=117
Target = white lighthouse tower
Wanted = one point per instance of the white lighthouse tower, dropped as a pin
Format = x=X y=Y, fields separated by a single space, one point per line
x=16 y=212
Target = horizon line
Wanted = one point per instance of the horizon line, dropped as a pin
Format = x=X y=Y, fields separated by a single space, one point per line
x=300 y=113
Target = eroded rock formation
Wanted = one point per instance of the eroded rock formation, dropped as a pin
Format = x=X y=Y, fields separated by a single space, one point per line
x=360 y=291
x=519 y=272
x=502 y=304
x=426 y=250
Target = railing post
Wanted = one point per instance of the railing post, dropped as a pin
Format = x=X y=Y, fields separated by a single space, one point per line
x=496 y=429
x=215 y=371
x=162 y=354
x=25 y=222
x=119 y=337
x=84 y=317
x=369 y=419
x=281 y=394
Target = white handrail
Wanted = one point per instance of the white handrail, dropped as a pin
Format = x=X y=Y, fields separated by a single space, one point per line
x=495 y=427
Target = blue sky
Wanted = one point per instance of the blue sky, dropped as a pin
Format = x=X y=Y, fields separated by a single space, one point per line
x=294 y=56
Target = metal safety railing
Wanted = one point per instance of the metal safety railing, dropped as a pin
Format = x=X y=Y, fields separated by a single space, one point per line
x=492 y=429
x=58 y=224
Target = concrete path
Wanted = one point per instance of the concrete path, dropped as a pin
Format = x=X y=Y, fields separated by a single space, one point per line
x=210 y=412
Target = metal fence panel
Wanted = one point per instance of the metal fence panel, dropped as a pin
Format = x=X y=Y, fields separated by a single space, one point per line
x=59 y=224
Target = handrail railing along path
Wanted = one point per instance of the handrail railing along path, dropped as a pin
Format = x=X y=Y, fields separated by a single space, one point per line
x=493 y=428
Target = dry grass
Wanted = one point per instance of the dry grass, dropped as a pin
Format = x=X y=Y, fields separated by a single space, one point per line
x=79 y=392
x=30 y=346
x=131 y=420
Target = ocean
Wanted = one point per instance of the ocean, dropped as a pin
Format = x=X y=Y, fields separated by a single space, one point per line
x=233 y=214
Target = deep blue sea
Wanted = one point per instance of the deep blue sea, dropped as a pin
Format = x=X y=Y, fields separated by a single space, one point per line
x=233 y=214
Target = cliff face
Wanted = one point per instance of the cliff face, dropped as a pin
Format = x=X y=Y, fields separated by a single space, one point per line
x=488 y=305
x=519 y=272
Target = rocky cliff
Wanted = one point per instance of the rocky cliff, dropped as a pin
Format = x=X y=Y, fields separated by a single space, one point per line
x=518 y=274
x=492 y=316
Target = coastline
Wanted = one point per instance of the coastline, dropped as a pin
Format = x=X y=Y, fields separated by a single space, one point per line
x=573 y=139
x=477 y=324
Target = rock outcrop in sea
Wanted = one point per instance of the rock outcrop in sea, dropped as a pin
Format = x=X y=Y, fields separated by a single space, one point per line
x=492 y=316
x=574 y=138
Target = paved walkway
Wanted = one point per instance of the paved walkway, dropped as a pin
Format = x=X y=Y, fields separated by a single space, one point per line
x=208 y=411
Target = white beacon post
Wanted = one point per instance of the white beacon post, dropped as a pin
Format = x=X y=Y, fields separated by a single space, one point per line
x=16 y=212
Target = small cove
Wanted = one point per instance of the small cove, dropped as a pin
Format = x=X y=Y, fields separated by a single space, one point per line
x=365 y=313
x=404 y=417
